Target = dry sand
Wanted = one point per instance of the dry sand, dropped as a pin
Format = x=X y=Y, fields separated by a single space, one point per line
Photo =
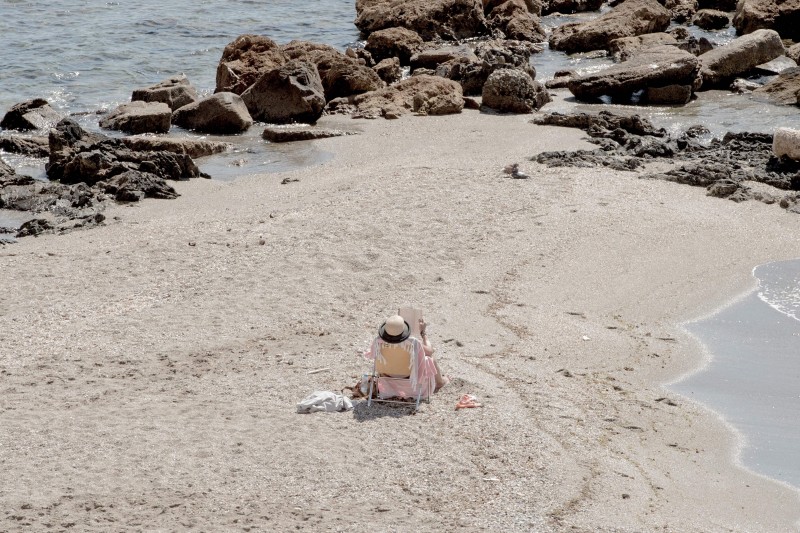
x=149 y=369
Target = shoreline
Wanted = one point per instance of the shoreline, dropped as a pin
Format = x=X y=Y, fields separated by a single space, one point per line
x=188 y=343
x=744 y=302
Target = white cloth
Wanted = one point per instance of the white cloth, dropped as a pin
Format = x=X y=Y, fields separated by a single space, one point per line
x=323 y=400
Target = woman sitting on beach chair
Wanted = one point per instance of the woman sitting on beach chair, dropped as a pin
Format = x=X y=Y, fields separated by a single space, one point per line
x=402 y=365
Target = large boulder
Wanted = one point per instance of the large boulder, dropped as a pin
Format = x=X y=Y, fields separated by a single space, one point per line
x=786 y=143
x=175 y=92
x=433 y=57
x=779 y=15
x=139 y=117
x=33 y=114
x=431 y=19
x=516 y=21
x=290 y=93
x=660 y=66
x=784 y=89
x=393 y=42
x=720 y=65
x=626 y=47
x=340 y=74
x=632 y=17
x=245 y=60
x=221 y=113
x=424 y=95
x=513 y=91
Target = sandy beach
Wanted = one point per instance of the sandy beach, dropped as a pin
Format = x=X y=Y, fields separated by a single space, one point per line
x=149 y=369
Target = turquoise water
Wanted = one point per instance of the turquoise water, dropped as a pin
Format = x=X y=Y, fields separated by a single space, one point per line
x=753 y=376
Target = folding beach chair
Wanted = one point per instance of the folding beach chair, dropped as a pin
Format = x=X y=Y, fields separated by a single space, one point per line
x=392 y=367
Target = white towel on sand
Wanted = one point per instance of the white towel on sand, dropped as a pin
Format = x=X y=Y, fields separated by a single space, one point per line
x=323 y=400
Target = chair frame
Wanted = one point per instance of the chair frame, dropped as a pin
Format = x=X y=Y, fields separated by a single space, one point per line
x=373 y=383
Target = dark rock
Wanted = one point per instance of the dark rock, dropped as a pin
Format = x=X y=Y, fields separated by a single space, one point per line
x=133 y=186
x=658 y=67
x=175 y=92
x=601 y=124
x=513 y=91
x=35 y=227
x=669 y=95
x=30 y=115
x=394 y=42
x=431 y=19
x=31 y=146
x=139 y=117
x=282 y=134
x=570 y=6
x=587 y=159
x=560 y=80
x=720 y=5
x=711 y=19
x=221 y=113
x=696 y=46
x=630 y=18
x=245 y=60
x=291 y=93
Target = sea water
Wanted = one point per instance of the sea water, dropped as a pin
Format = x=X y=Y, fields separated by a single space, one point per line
x=752 y=377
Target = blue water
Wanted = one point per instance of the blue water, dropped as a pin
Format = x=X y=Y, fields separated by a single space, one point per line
x=753 y=377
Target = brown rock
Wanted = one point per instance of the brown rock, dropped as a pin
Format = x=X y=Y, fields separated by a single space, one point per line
x=245 y=60
x=669 y=95
x=513 y=91
x=431 y=19
x=425 y=95
x=393 y=42
x=389 y=69
x=292 y=133
x=175 y=92
x=784 y=89
x=515 y=21
x=221 y=113
x=432 y=58
x=177 y=145
x=711 y=19
x=570 y=6
x=30 y=115
x=630 y=18
x=778 y=15
x=139 y=117
x=290 y=93
x=625 y=47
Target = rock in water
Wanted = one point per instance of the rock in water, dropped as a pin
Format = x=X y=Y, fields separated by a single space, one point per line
x=221 y=113
x=290 y=93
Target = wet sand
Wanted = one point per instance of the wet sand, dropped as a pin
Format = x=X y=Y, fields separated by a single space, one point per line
x=152 y=377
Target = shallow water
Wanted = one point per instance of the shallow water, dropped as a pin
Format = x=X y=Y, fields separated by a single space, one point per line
x=753 y=376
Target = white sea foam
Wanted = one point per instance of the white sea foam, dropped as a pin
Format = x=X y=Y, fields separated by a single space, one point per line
x=779 y=286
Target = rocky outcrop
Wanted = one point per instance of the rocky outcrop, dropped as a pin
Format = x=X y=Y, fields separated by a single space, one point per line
x=431 y=19
x=711 y=19
x=175 y=92
x=793 y=53
x=513 y=91
x=424 y=95
x=516 y=21
x=625 y=47
x=784 y=89
x=221 y=113
x=31 y=146
x=781 y=16
x=660 y=66
x=290 y=93
x=630 y=18
x=681 y=11
x=725 y=167
x=393 y=42
x=719 y=66
x=340 y=75
x=77 y=156
x=668 y=95
x=245 y=60
x=434 y=57
x=139 y=117
x=292 y=133
x=33 y=114
x=194 y=148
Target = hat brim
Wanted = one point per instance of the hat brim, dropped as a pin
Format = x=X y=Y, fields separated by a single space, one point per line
x=394 y=339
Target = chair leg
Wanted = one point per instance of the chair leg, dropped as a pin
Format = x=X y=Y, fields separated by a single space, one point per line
x=369 y=394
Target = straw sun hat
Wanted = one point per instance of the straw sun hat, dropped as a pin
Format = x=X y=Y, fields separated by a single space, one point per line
x=394 y=330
